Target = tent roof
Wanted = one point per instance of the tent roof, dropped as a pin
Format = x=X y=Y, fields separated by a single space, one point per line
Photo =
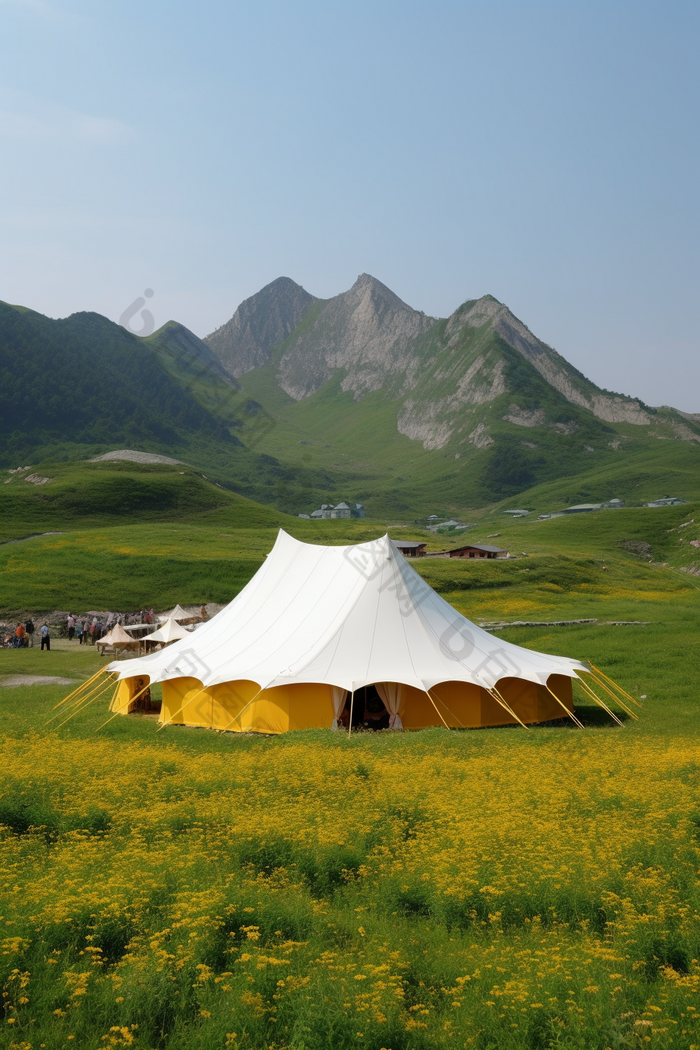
x=348 y=617
x=117 y=636
x=170 y=631
x=178 y=613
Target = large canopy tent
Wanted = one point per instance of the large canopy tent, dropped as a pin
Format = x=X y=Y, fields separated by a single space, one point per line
x=317 y=624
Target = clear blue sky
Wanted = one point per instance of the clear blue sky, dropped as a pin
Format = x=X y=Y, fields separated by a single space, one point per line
x=545 y=152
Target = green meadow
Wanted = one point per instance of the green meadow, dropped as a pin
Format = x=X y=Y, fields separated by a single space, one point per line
x=502 y=889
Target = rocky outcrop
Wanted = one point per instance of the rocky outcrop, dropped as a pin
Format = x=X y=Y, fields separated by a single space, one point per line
x=437 y=372
x=259 y=323
x=367 y=332
x=612 y=408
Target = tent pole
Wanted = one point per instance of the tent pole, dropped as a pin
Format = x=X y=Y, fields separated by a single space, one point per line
x=608 y=690
x=450 y=713
x=180 y=710
x=618 y=687
x=436 y=708
x=78 y=708
x=78 y=701
x=127 y=705
x=244 y=708
x=82 y=686
x=596 y=699
x=352 y=703
x=506 y=707
x=562 y=704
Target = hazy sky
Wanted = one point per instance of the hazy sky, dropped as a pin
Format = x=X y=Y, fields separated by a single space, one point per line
x=545 y=152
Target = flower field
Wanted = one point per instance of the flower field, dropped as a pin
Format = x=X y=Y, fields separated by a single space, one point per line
x=529 y=894
x=494 y=889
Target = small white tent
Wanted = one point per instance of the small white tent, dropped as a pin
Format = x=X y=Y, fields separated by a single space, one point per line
x=117 y=639
x=168 y=632
x=179 y=614
x=317 y=624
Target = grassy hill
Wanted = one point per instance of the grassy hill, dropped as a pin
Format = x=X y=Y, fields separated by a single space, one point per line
x=84 y=383
x=81 y=495
x=122 y=535
x=78 y=387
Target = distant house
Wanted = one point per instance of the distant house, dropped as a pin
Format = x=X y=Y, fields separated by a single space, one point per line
x=451 y=524
x=667 y=501
x=517 y=513
x=582 y=508
x=340 y=510
x=410 y=548
x=472 y=550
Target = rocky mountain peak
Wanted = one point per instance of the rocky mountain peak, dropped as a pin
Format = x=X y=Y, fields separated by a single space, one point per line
x=366 y=332
x=259 y=323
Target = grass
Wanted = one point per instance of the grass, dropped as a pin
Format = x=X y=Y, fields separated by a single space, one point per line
x=496 y=889
x=576 y=566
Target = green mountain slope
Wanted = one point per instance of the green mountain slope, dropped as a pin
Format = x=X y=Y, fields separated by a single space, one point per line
x=460 y=412
x=72 y=389
x=86 y=382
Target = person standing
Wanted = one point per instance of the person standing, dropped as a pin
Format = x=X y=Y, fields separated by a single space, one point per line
x=45 y=638
x=79 y=631
x=29 y=628
x=71 y=627
x=19 y=635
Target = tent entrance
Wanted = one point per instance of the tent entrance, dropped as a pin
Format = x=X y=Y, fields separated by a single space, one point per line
x=137 y=695
x=368 y=710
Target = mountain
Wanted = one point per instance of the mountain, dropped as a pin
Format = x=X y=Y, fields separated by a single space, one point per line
x=84 y=381
x=370 y=386
x=258 y=324
x=80 y=386
x=360 y=398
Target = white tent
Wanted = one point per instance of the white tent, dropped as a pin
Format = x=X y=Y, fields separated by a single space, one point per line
x=317 y=624
x=117 y=638
x=170 y=631
x=179 y=614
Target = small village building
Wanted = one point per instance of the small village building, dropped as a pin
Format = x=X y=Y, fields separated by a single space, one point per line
x=410 y=548
x=472 y=550
x=477 y=550
x=667 y=501
x=582 y=508
x=340 y=510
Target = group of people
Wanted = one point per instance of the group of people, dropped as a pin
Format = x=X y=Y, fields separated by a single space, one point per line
x=23 y=637
x=85 y=630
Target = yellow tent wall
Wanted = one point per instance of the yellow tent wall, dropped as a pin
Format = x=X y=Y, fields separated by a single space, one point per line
x=243 y=707
x=126 y=694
